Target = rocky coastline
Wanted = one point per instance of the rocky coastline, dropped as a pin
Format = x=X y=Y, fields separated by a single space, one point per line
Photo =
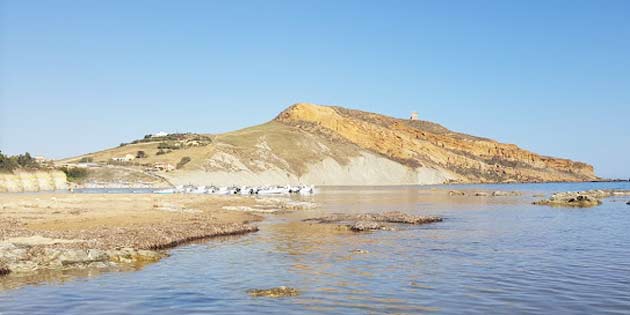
x=63 y=232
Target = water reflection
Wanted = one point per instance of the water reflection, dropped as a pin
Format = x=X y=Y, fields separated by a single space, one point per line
x=490 y=255
x=58 y=277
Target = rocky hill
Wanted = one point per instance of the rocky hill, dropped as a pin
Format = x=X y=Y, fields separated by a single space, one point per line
x=326 y=145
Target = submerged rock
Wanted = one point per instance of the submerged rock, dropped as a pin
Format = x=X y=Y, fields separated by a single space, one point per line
x=628 y=203
x=273 y=292
x=500 y=193
x=456 y=193
x=131 y=255
x=482 y=194
x=360 y=251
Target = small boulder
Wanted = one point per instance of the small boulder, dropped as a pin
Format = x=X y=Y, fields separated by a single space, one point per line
x=456 y=193
x=482 y=194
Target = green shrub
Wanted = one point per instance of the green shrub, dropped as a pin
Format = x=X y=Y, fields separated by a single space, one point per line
x=26 y=161
x=7 y=164
x=141 y=155
x=87 y=159
x=183 y=162
x=10 y=163
x=75 y=174
x=170 y=145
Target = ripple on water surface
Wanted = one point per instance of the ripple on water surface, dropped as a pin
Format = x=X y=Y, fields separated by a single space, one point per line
x=490 y=255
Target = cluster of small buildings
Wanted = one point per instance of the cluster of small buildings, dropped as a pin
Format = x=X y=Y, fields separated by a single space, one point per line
x=157 y=166
x=126 y=158
x=164 y=167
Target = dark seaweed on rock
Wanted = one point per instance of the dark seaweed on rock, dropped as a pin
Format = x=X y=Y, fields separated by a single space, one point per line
x=273 y=292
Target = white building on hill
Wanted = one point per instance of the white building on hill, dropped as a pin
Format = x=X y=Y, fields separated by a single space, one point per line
x=159 y=134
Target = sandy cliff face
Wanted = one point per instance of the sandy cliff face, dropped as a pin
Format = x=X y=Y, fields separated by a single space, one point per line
x=31 y=181
x=419 y=144
x=365 y=169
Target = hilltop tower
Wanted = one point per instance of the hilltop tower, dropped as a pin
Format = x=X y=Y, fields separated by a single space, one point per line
x=414 y=116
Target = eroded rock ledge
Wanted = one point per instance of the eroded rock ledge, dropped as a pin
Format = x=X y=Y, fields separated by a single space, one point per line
x=25 y=258
x=372 y=221
x=79 y=231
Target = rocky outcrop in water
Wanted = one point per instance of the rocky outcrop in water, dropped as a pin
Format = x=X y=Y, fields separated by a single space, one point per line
x=581 y=199
x=373 y=221
x=274 y=292
x=498 y=193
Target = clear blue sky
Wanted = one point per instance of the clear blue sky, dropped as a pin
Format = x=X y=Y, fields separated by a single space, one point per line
x=550 y=76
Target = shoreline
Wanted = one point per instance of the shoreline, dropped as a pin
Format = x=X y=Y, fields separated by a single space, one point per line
x=60 y=232
x=78 y=188
x=51 y=232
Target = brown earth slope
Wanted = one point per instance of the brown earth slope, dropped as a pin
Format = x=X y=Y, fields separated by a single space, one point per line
x=326 y=145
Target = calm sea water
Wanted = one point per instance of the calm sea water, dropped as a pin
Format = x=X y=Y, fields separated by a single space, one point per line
x=490 y=255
